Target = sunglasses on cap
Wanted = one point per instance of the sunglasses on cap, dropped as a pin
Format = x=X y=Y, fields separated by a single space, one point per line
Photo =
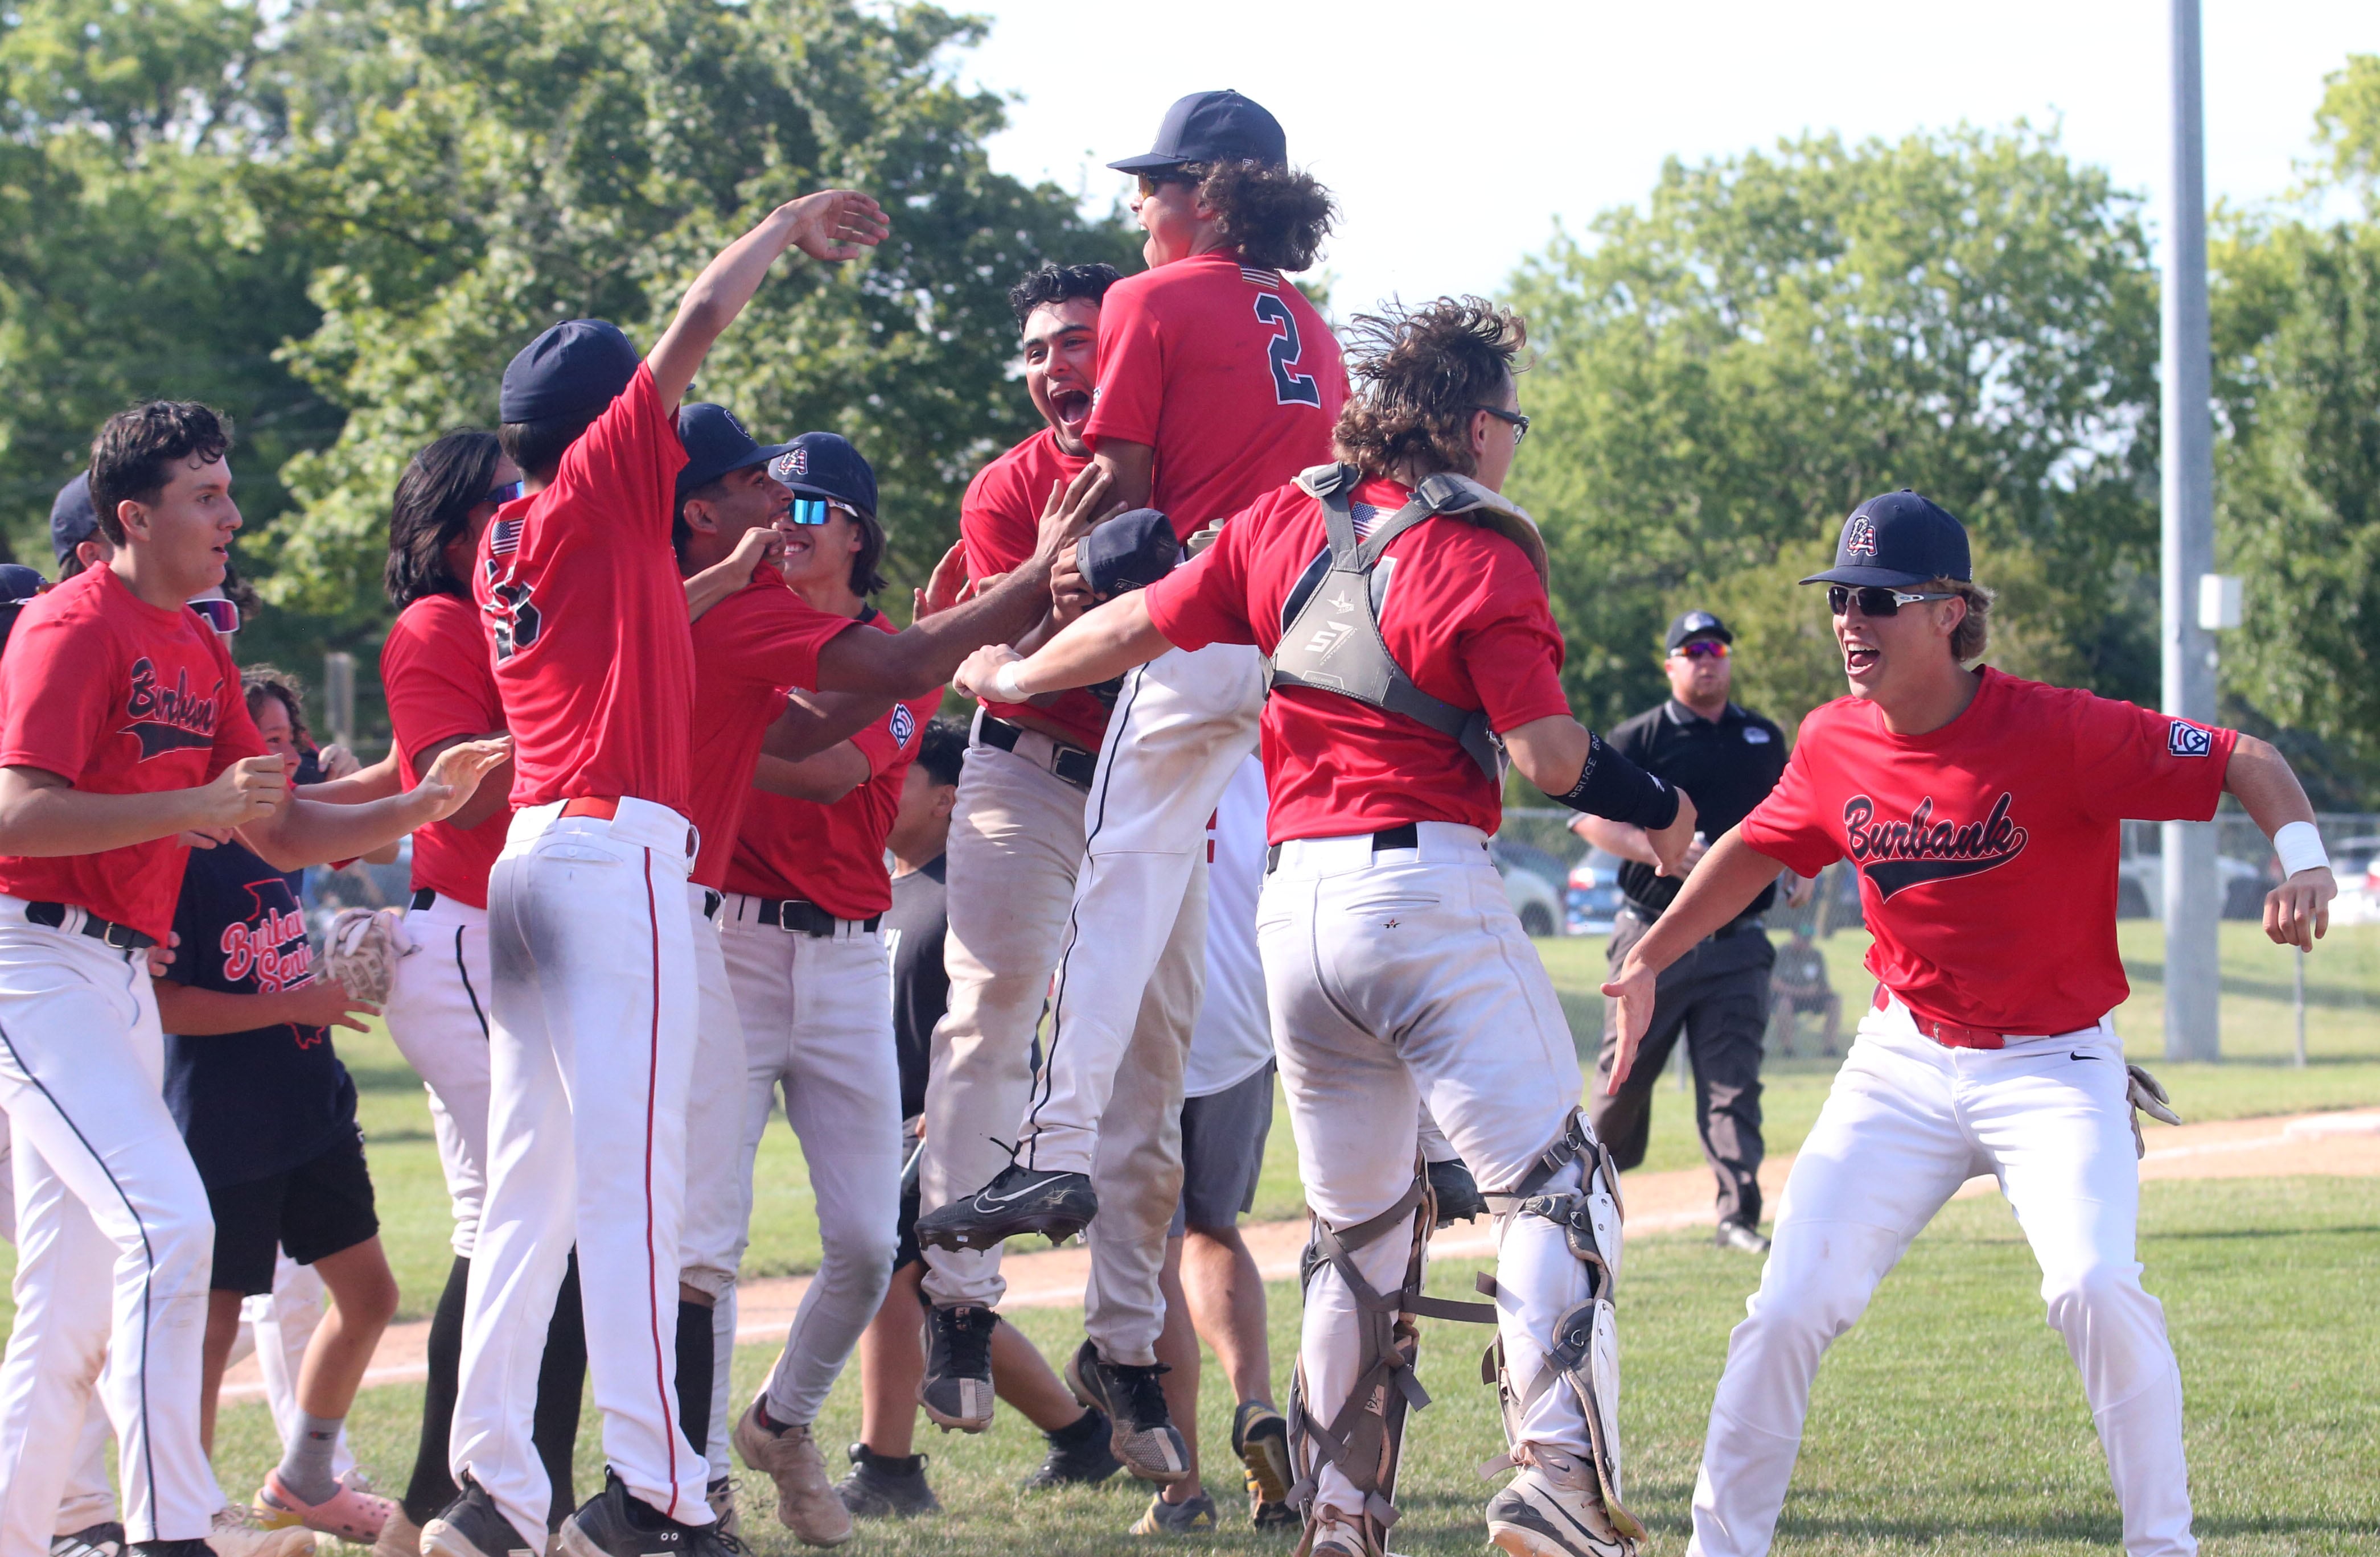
x=813 y=510
x=506 y=493
x=221 y=615
x=1876 y=601
x=1701 y=649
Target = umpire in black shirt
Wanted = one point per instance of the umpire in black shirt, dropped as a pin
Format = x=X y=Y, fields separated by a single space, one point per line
x=1718 y=996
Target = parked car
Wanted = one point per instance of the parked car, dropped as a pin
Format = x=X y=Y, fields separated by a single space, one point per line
x=2140 y=888
x=2356 y=862
x=1593 y=897
x=1532 y=879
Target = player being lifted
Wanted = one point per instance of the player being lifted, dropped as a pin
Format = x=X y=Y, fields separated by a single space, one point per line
x=1217 y=381
x=1983 y=813
x=1394 y=966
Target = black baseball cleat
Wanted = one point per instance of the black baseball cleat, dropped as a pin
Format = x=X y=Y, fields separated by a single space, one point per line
x=1080 y=1455
x=1020 y=1201
x=1140 y=1431
x=1260 y=1439
x=956 y=1388
x=616 y=1523
x=886 y=1486
x=1736 y=1235
x=102 y=1539
x=472 y=1527
x=1456 y=1192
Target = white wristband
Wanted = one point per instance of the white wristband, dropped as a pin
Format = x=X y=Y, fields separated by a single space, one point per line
x=1005 y=689
x=2299 y=846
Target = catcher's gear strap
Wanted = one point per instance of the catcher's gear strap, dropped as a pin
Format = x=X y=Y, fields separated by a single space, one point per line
x=1575 y=1140
x=1333 y=642
x=1364 y=1437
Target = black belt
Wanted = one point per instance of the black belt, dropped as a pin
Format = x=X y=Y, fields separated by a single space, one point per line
x=123 y=937
x=710 y=901
x=1070 y=763
x=423 y=897
x=797 y=917
x=1404 y=835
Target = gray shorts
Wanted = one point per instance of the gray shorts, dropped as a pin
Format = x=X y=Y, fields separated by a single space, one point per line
x=1222 y=1152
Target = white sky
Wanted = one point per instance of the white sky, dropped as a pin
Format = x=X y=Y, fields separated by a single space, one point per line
x=1456 y=134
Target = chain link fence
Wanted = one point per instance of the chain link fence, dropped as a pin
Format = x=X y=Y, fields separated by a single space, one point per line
x=2278 y=1004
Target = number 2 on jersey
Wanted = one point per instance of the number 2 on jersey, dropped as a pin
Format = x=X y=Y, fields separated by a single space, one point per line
x=1289 y=387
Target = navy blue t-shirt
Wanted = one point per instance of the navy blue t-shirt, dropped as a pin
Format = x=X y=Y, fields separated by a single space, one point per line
x=253 y=1104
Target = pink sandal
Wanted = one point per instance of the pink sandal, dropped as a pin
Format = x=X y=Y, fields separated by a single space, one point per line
x=349 y=1514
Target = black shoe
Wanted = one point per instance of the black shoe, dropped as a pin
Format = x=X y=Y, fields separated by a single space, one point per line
x=472 y=1527
x=102 y=1539
x=1079 y=1455
x=1020 y=1200
x=616 y=1523
x=1140 y=1429
x=956 y=1389
x=1735 y=1235
x=1260 y=1439
x=886 y=1486
x=1275 y=1516
x=1456 y=1191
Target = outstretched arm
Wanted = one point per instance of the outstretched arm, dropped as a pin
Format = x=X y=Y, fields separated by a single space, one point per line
x=834 y=225
x=1723 y=885
x=1094 y=647
x=303 y=832
x=2297 y=912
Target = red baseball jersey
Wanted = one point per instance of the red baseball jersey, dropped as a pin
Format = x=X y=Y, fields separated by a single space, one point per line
x=999 y=519
x=1463 y=613
x=1986 y=850
x=748 y=650
x=587 y=617
x=834 y=855
x=441 y=684
x=118 y=697
x=1226 y=371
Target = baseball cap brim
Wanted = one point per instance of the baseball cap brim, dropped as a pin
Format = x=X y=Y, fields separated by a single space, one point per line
x=1147 y=162
x=1861 y=578
x=762 y=455
x=804 y=490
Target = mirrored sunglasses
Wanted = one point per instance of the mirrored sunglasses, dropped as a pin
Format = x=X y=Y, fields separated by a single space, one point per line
x=1876 y=601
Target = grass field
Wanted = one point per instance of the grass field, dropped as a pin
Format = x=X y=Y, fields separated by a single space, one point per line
x=1950 y=1416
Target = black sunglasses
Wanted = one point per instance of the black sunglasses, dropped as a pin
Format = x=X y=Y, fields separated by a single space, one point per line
x=1520 y=423
x=1152 y=181
x=1875 y=600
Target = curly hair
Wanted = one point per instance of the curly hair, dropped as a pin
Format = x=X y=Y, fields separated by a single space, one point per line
x=1276 y=216
x=134 y=455
x=1419 y=376
x=261 y=682
x=1059 y=283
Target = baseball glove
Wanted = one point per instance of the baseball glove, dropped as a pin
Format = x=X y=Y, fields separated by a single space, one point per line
x=363 y=949
x=2146 y=1094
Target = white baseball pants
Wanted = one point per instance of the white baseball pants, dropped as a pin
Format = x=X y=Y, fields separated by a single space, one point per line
x=438 y=1016
x=710 y=1243
x=591 y=1057
x=115 y=1242
x=1398 y=979
x=89 y=1499
x=1183 y=725
x=819 y=1031
x=1907 y=1122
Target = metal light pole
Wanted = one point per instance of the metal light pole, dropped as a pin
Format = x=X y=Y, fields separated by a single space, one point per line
x=2192 y=892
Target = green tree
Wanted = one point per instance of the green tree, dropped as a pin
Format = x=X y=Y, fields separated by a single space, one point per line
x=478 y=171
x=1724 y=372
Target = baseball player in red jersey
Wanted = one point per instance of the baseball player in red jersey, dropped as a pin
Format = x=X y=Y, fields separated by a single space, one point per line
x=1403 y=603
x=441 y=689
x=122 y=730
x=592 y=953
x=1983 y=813
x=1217 y=381
x=806 y=891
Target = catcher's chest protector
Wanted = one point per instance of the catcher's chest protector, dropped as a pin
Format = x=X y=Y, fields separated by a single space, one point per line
x=1334 y=643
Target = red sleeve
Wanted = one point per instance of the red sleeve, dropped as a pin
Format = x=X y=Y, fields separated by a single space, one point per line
x=1514 y=663
x=997 y=537
x=632 y=450
x=54 y=701
x=1131 y=371
x=767 y=635
x=1206 y=600
x=1786 y=826
x=2133 y=764
x=236 y=735
x=439 y=683
x=891 y=741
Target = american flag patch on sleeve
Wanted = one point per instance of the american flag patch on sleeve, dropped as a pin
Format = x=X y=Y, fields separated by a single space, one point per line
x=503 y=540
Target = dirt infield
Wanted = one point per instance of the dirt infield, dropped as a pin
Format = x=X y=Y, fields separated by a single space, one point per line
x=2333 y=1143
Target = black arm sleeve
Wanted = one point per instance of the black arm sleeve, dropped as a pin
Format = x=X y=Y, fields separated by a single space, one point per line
x=1611 y=786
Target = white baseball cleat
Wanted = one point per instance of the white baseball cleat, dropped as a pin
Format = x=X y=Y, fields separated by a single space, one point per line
x=1536 y=1516
x=237 y=1532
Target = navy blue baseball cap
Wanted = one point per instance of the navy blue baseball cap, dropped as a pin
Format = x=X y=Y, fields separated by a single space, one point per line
x=1897 y=541
x=19 y=584
x=716 y=445
x=574 y=370
x=1696 y=624
x=824 y=464
x=1130 y=551
x=73 y=520
x=1213 y=127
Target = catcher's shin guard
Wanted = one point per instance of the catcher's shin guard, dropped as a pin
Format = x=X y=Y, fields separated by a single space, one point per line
x=1583 y=1353
x=1365 y=1438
